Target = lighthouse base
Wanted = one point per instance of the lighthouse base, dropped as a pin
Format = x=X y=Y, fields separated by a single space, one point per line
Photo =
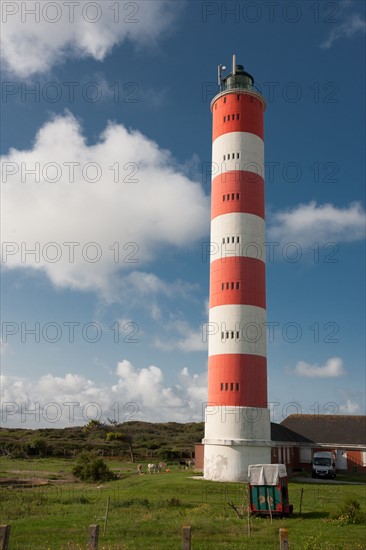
x=235 y=437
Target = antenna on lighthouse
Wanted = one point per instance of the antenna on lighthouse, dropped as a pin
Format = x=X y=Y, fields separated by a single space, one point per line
x=220 y=68
x=234 y=63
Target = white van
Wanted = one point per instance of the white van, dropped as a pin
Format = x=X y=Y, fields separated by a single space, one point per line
x=323 y=465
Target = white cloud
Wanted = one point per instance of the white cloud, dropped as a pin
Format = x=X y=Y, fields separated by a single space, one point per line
x=353 y=24
x=188 y=340
x=135 y=394
x=34 y=43
x=350 y=407
x=351 y=402
x=131 y=216
x=331 y=369
x=309 y=223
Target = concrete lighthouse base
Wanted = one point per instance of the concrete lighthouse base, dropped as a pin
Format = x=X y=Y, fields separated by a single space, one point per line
x=235 y=437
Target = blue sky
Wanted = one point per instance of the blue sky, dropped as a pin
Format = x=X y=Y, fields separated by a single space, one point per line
x=109 y=106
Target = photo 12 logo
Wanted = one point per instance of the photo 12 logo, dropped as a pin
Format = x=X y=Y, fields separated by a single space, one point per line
x=72 y=12
x=251 y=12
x=70 y=252
x=69 y=91
x=69 y=412
x=69 y=332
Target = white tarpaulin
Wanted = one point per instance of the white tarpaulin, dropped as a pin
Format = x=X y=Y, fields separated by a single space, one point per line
x=266 y=474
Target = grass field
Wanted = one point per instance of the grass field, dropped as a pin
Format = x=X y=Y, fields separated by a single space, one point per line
x=147 y=512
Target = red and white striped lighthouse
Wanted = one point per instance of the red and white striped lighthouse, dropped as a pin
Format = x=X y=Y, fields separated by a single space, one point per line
x=237 y=423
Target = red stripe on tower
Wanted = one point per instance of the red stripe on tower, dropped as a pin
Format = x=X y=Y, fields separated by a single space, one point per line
x=237 y=428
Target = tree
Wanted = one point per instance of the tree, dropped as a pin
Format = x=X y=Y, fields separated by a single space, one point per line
x=94 y=426
x=90 y=468
x=123 y=438
x=37 y=445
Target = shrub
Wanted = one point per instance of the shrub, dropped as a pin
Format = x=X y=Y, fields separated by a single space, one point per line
x=90 y=468
x=350 y=512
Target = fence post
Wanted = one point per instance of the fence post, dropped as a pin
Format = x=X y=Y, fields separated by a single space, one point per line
x=4 y=536
x=186 y=545
x=284 y=539
x=106 y=517
x=301 y=495
x=93 y=536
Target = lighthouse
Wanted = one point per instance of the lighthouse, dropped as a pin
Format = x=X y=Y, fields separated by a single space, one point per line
x=237 y=422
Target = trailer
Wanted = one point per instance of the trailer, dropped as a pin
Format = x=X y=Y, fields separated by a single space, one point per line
x=268 y=490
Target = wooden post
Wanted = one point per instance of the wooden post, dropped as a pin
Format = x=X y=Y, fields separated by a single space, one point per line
x=4 y=536
x=106 y=517
x=301 y=494
x=187 y=534
x=93 y=537
x=248 y=522
x=284 y=539
x=269 y=504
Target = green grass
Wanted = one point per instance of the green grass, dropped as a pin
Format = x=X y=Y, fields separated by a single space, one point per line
x=148 y=512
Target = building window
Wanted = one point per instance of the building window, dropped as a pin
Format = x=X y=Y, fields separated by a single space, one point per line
x=227 y=286
x=223 y=336
x=228 y=197
x=231 y=386
x=232 y=334
x=228 y=239
x=237 y=196
x=237 y=386
x=232 y=286
x=237 y=155
x=232 y=239
x=237 y=286
x=305 y=454
x=237 y=97
x=226 y=386
x=222 y=286
x=224 y=99
x=223 y=240
x=222 y=386
x=224 y=118
x=233 y=196
x=237 y=117
x=237 y=239
x=227 y=335
x=223 y=197
x=224 y=157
